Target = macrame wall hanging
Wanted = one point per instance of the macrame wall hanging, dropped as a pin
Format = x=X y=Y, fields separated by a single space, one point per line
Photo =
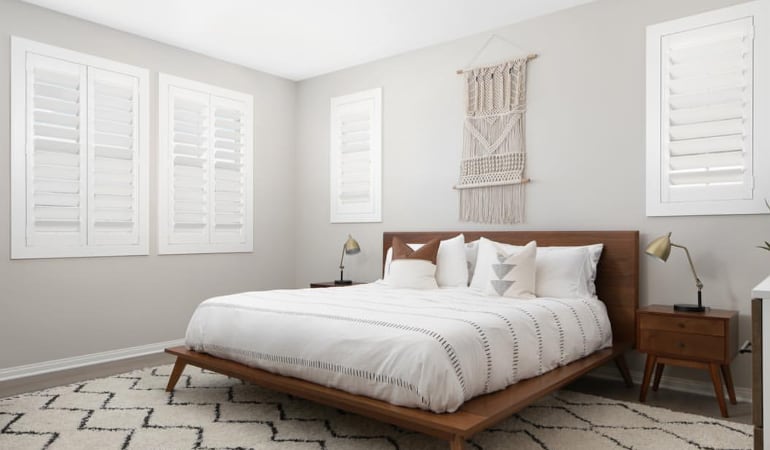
x=494 y=150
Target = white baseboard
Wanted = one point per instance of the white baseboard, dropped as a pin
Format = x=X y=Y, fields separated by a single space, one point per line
x=57 y=365
x=674 y=383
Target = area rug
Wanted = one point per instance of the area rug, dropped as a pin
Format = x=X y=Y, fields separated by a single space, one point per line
x=211 y=411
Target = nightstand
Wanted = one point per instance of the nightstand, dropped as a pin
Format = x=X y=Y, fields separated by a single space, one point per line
x=702 y=340
x=329 y=284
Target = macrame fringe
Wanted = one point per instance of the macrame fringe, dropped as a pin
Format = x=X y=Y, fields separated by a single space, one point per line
x=494 y=204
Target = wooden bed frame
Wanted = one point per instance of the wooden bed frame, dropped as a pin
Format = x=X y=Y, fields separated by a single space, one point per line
x=617 y=284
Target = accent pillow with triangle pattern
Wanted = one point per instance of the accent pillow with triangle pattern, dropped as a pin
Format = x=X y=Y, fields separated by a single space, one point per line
x=513 y=275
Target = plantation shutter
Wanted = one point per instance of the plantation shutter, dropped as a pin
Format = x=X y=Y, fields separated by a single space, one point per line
x=56 y=166
x=113 y=157
x=707 y=112
x=356 y=157
x=206 y=168
x=79 y=146
x=189 y=167
x=228 y=214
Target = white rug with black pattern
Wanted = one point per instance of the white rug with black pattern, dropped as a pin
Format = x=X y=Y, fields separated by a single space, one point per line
x=211 y=411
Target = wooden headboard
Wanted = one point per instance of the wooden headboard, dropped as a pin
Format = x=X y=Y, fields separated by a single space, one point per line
x=617 y=280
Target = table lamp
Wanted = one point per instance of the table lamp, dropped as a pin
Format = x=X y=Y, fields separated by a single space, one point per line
x=660 y=248
x=350 y=247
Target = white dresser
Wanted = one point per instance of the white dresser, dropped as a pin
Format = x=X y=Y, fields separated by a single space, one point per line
x=760 y=314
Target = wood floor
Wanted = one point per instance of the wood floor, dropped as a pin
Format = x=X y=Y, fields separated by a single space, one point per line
x=615 y=389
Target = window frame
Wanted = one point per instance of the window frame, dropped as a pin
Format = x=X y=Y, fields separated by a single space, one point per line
x=760 y=159
x=20 y=48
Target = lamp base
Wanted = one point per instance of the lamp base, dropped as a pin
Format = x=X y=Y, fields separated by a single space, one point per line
x=343 y=281
x=689 y=308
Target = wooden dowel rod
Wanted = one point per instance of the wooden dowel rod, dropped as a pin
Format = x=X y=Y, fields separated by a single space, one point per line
x=493 y=183
x=529 y=57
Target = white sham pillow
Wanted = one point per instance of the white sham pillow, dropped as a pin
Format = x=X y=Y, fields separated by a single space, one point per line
x=513 y=274
x=594 y=254
x=412 y=274
x=451 y=265
x=561 y=272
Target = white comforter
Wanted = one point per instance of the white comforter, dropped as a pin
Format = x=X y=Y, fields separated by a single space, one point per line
x=430 y=349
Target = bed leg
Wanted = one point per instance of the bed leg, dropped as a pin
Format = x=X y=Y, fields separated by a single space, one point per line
x=620 y=361
x=179 y=366
x=456 y=442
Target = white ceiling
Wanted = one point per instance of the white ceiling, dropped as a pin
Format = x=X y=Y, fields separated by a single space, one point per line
x=299 y=39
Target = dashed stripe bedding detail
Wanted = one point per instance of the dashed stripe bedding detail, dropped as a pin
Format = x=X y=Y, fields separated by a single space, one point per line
x=578 y=322
x=450 y=352
x=539 y=335
x=560 y=328
x=431 y=349
x=322 y=365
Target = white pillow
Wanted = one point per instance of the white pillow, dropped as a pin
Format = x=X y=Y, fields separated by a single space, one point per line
x=451 y=265
x=594 y=253
x=562 y=272
x=471 y=253
x=412 y=274
x=513 y=275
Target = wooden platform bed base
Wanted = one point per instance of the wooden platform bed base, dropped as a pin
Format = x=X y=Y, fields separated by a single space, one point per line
x=617 y=284
x=473 y=416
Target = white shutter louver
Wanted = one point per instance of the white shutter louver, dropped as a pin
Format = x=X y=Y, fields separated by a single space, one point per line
x=707 y=112
x=229 y=181
x=189 y=166
x=206 y=168
x=56 y=176
x=708 y=78
x=79 y=148
x=355 y=157
x=113 y=108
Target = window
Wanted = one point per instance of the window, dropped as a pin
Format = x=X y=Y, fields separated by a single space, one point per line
x=355 y=157
x=707 y=91
x=79 y=145
x=205 y=168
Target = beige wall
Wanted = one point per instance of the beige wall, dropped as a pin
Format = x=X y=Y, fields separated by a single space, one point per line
x=57 y=308
x=585 y=138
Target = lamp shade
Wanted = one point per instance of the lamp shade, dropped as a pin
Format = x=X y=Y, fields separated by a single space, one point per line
x=351 y=246
x=660 y=248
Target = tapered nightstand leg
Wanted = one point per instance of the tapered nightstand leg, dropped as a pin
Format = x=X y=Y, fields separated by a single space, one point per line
x=728 y=376
x=648 y=366
x=717 y=381
x=658 y=373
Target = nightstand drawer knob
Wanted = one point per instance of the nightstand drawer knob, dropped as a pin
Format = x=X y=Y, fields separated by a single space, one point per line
x=681 y=325
x=681 y=345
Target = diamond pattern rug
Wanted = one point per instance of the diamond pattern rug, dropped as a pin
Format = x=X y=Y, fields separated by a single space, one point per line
x=211 y=411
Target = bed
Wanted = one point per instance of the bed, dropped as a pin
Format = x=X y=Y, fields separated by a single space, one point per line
x=616 y=285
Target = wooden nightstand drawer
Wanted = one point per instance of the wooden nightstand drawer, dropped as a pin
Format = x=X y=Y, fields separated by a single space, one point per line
x=687 y=345
x=681 y=324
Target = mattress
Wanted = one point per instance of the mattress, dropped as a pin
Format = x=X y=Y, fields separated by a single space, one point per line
x=430 y=349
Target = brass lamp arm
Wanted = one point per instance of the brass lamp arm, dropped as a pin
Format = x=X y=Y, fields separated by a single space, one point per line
x=342 y=258
x=698 y=283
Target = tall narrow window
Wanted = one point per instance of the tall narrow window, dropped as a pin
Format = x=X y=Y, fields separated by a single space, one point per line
x=355 y=157
x=79 y=154
x=706 y=91
x=205 y=168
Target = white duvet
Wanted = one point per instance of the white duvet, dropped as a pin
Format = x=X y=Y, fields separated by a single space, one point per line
x=430 y=349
